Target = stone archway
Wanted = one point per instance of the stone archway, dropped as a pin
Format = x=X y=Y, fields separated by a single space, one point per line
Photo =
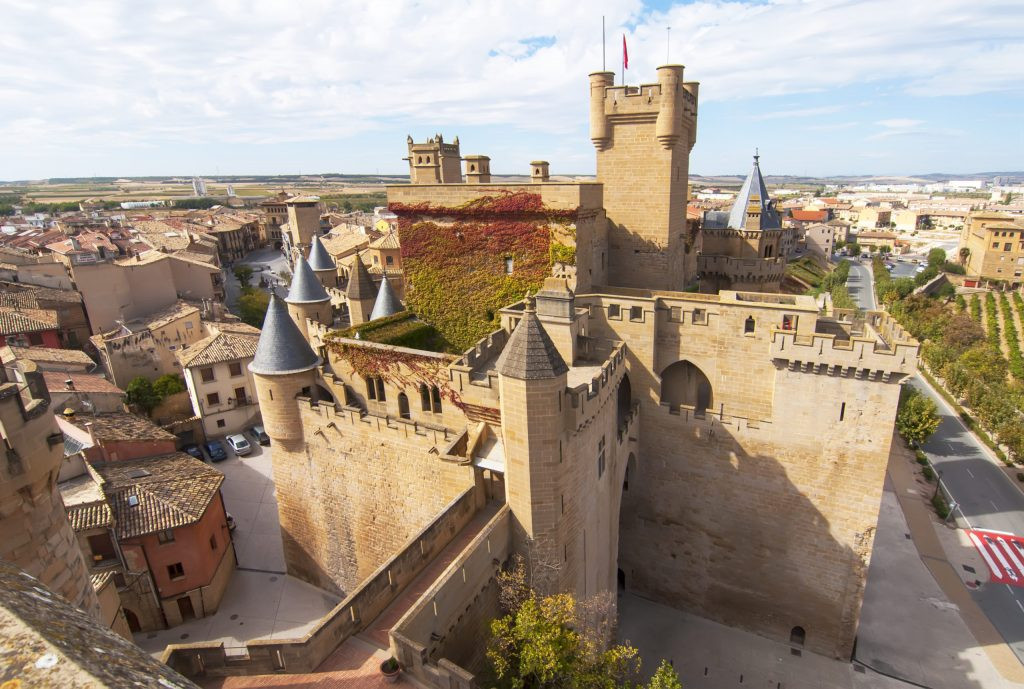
x=624 y=402
x=683 y=383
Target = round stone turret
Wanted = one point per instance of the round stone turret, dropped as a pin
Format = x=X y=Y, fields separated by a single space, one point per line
x=361 y=292
x=283 y=367
x=322 y=264
x=387 y=303
x=307 y=298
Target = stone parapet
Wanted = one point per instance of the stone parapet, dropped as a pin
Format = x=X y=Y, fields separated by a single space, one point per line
x=742 y=269
x=858 y=356
x=587 y=398
x=350 y=616
x=436 y=625
x=581 y=196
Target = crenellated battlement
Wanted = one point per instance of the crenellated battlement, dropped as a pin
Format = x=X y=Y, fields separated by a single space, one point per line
x=860 y=356
x=321 y=416
x=589 y=395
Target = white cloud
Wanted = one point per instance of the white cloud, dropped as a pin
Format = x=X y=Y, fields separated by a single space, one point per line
x=102 y=72
x=900 y=123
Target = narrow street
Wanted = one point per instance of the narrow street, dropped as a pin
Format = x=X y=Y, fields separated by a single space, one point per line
x=265 y=263
x=985 y=496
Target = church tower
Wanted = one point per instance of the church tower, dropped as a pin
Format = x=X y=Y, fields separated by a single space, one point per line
x=643 y=136
x=307 y=298
x=740 y=249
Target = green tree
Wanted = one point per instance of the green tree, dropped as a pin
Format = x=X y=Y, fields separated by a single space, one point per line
x=937 y=257
x=286 y=277
x=139 y=393
x=917 y=417
x=853 y=249
x=243 y=273
x=665 y=677
x=168 y=385
x=252 y=306
x=885 y=249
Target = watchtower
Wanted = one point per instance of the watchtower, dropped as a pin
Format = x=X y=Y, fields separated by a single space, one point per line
x=478 y=169
x=434 y=162
x=643 y=136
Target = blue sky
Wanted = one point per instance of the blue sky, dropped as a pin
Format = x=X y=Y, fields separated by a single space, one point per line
x=822 y=87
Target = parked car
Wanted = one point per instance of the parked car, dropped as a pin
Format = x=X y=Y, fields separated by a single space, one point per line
x=239 y=444
x=193 y=450
x=215 y=450
x=259 y=434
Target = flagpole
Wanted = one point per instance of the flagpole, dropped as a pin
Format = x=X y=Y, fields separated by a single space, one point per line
x=603 y=62
x=668 y=44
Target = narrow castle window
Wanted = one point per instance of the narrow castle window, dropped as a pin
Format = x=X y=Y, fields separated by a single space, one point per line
x=748 y=325
x=797 y=636
x=424 y=397
x=636 y=313
x=700 y=316
x=371 y=390
x=435 y=399
x=403 y=406
x=381 y=397
x=614 y=311
x=842 y=411
x=675 y=314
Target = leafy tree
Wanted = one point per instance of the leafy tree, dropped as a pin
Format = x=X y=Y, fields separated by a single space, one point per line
x=965 y=254
x=170 y=384
x=665 y=677
x=885 y=249
x=286 y=277
x=853 y=249
x=6 y=209
x=139 y=393
x=243 y=273
x=917 y=417
x=252 y=306
x=937 y=257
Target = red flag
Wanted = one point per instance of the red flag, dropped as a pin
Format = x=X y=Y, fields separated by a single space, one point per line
x=625 y=54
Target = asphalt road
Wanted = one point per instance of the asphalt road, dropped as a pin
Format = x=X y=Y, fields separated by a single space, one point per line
x=860 y=284
x=986 y=497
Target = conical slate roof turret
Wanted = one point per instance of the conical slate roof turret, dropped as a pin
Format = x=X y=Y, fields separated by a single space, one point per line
x=754 y=193
x=282 y=349
x=360 y=284
x=319 y=259
x=387 y=303
x=530 y=354
x=306 y=288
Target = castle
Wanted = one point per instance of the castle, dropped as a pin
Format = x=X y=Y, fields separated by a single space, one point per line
x=719 y=451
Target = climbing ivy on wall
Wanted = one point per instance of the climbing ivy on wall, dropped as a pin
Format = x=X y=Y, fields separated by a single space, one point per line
x=455 y=259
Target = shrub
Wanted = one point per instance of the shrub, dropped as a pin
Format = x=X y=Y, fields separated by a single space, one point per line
x=940 y=505
x=168 y=385
x=139 y=393
x=921 y=457
x=928 y=473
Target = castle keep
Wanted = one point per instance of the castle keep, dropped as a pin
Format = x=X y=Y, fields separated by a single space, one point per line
x=720 y=451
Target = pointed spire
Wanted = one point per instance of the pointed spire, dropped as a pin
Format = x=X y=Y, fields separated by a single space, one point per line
x=319 y=259
x=306 y=288
x=360 y=284
x=530 y=354
x=282 y=349
x=387 y=303
x=754 y=193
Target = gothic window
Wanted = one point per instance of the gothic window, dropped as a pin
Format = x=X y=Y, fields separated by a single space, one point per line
x=435 y=399
x=403 y=406
x=381 y=396
x=371 y=389
x=424 y=397
x=748 y=325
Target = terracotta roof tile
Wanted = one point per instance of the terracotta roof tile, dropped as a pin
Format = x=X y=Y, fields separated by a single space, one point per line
x=123 y=426
x=388 y=241
x=49 y=354
x=157 y=493
x=18 y=320
x=83 y=382
x=219 y=348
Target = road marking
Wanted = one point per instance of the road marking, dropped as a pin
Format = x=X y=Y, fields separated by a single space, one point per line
x=994 y=506
x=993 y=567
x=1019 y=605
x=965 y=469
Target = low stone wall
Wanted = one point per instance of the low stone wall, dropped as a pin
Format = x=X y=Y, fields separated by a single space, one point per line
x=447 y=621
x=349 y=617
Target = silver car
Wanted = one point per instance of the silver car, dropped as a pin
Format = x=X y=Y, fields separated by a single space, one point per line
x=239 y=444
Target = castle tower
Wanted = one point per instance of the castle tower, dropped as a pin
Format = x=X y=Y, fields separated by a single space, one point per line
x=361 y=292
x=539 y=171
x=643 y=136
x=387 y=303
x=303 y=221
x=322 y=264
x=478 y=169
x=532 y=383
x=556 y=310
x=34 y=531
x=307 y=298
x=740 y=249
x=284 y=365
x=434 y=162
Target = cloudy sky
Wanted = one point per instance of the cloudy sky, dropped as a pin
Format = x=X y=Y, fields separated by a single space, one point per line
x=141 y=87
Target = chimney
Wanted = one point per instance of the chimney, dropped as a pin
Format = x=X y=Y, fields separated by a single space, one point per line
x=539 y=171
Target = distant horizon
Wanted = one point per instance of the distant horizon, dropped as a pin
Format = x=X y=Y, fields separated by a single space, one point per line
x=821 y=87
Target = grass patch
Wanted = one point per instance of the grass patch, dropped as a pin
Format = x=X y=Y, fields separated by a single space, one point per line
x=403 y=329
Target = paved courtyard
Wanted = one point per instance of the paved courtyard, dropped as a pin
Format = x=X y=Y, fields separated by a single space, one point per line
x=261 y=602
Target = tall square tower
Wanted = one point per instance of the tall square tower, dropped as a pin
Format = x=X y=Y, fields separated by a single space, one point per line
x=643 y=135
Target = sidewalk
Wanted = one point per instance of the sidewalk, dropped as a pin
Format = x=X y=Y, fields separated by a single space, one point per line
x=922 y=525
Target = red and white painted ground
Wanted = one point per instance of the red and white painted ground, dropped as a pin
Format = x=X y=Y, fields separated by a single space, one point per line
x=1003 y=553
